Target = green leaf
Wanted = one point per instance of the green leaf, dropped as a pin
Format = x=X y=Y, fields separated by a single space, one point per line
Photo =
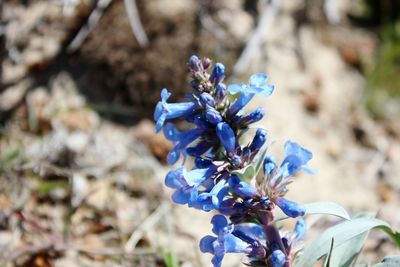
x=169 y=258
x=245 y=174
x=10 y=154
x=390 y=261
x=346 y=253
x=329 y=208
x=394 y=235
x=341 y=233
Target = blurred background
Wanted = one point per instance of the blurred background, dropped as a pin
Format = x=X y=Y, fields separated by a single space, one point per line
x=81 y=168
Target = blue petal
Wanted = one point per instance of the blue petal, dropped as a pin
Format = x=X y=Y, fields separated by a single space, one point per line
x=250 y=232
x=269 y=165
x=290 y=208
x=171 y=133
x=258 y=79
x=259 y=139
x=175 y=178
x=240 y=103
x=173 y=155
x=217 y=260
x=278 y=258
x=206 y=244
x=219 y=222
x=234 y=244
x=213 y=116
x=300 y=229
x=181 y=196
x=291 y=148
x=242 y=188
x=236 y=88
x=226 y=136
x=198 y=176
x=165 y=95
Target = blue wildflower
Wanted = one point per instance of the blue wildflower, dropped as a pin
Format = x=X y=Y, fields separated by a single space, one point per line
x=217 y=73
x=165 y=111
x=225 y=242
x=211 y=200
x=257 y=85
x=213 y=116
x=207 y=99
x=295 y=159
x=256 y=115
x=227 y=137
x=259 y=140
x=241 y=188
x=186 y=183
x=290 y=208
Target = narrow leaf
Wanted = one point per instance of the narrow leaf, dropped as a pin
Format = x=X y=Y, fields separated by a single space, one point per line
x=341 y=233
x=346 y=253
x=245 y=174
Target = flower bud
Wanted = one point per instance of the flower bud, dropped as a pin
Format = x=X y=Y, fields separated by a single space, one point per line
x=220 y=91
x=195 y=64
x=227 y=137
x=218 y=73
x=207 y=99
x=213 y=116
x=290 y=208
x=206 y=63
x=253 y=117
x=259 y=140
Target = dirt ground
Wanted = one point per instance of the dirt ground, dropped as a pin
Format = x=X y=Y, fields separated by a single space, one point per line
x=81 y=168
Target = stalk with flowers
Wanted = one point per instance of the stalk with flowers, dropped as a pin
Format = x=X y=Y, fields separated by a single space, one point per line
x=239 y=181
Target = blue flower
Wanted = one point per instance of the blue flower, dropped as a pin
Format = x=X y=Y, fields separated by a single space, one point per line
x=257 y=85
x=256 y=115
x=225 y=242
x=227 y=137
x=180 y=139
x=290 y=208
x=213 y=116
x=296 y=158
x=241 y=188
x=217 y=73
x=198 y=150
x=300 y=229
x=165 y=111
x=259 y=140
x=207 y=99
x=278 y=258
x=269 y=165
x=211 y=200
x=240 y=103
x=186 y=183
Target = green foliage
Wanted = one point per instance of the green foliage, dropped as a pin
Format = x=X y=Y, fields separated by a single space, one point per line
x=170 y=259
x=341 y=233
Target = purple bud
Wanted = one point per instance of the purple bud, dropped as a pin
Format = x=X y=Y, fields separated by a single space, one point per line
x=206 y=63
x=195 y=64
x=259 y=140
x=290 y=208
x=207 y=99
x=217 y=74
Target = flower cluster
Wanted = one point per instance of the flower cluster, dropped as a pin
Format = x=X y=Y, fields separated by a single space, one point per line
x=226 y=175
